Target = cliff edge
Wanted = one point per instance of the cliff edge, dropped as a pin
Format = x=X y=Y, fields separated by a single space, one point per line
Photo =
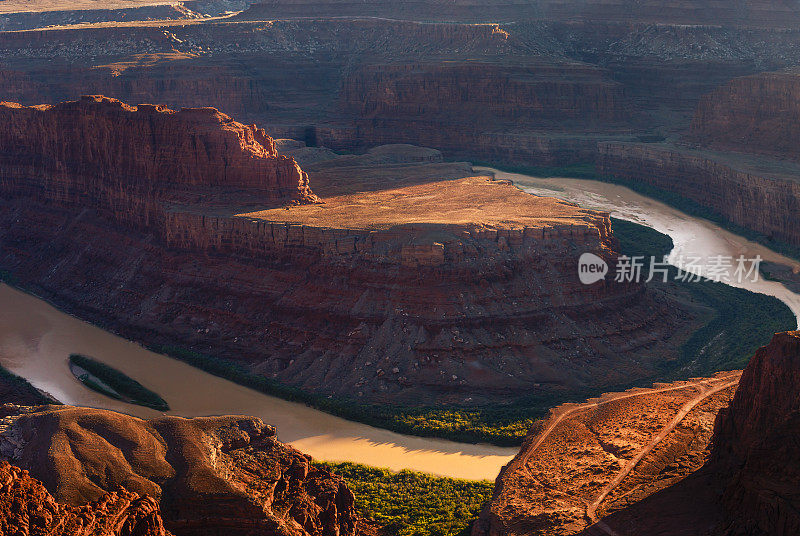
x=101 y=153
x=757 y=441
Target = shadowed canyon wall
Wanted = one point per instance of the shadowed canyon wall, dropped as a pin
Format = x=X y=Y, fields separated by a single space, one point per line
x=755 y=442
x=750 y=13
x=748 y=192
x=752 y=114
x=411 y=309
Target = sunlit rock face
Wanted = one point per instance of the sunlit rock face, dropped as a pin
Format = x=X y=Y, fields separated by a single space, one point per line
x=211 y=475
x=26 y=507
x=101 y=153
x=402 y=287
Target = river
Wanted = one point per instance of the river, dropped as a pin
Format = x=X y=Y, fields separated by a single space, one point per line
x=692 y=237
x=36 y=339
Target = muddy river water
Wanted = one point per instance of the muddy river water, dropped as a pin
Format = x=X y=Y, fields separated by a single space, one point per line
x=36 y=339
x=693 y=237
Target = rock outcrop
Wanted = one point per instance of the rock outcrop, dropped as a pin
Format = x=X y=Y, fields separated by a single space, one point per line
x=758 y=194
x=214 y=475
x=26 y=507
x=747 y=483
x=417 y=99
x=587 y=460
x=756 y=443
x=100 y=153
x=486 y=109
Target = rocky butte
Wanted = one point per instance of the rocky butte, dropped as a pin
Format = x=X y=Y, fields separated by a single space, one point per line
x=101 y=153
x=404 y=285
x=193 y=476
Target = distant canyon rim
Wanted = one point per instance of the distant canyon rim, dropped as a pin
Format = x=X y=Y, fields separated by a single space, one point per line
x=331 y=201
x=634 y=91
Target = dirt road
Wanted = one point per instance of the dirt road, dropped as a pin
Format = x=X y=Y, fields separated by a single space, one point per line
x=708 y=386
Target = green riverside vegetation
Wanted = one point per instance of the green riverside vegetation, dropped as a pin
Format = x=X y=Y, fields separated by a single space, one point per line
x=124 y=387
x=414 y=504
x=742 y=321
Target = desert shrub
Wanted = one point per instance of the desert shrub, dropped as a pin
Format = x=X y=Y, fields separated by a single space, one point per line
x=408 y=503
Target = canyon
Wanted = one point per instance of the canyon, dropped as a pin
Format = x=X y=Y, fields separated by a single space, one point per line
x=751 y=114
x=547 y=84
x=437 y=296
x=345 y=252
x=747 y=14
x=754 y=193
x=723 y=465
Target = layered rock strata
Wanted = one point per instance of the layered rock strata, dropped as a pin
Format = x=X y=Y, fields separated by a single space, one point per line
x=408 y=313
x=100 y=153
x=752 y=114
x=215 y=475
x=477 y=94
x=762 y=195
x=401 y=287
x=27 y=20
x=761 y=13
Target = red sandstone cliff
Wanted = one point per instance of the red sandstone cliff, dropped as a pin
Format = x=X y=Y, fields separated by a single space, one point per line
x=749 y=192
x=757 y=442
x=98 y=152
x=411 y=312
x=27 y=508
x=477 y=107
x=477 y=91
x=213 y=475
x=460 y=291
x=752 y=114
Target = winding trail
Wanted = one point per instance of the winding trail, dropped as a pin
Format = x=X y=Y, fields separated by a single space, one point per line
x=591 y=510
x=709 y=387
